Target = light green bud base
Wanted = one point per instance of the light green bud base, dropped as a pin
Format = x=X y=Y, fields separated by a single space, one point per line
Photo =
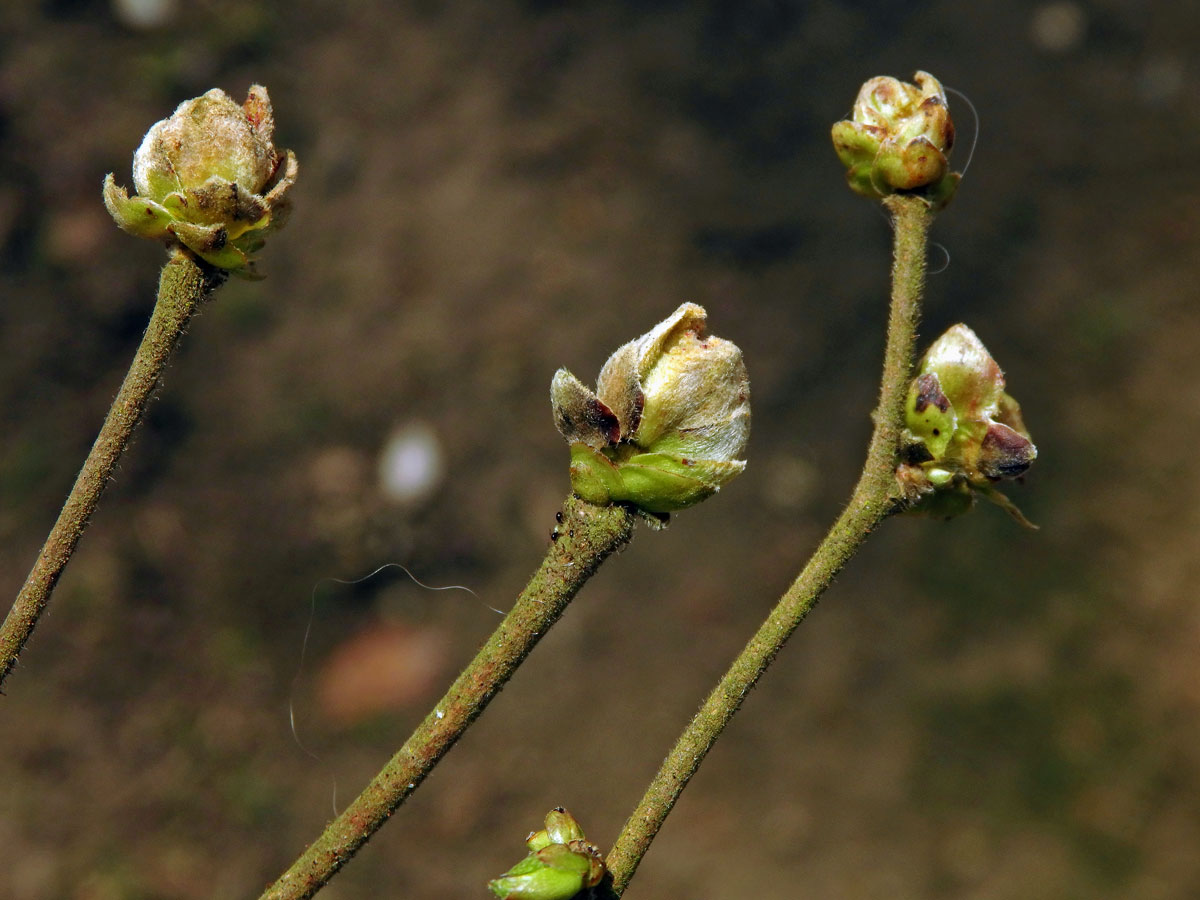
x=655 y=482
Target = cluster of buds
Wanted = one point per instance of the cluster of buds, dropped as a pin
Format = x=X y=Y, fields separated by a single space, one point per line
x=667 y=422
x=209 y=179
x=898 y=140
x=963 y=432
x=560 y=864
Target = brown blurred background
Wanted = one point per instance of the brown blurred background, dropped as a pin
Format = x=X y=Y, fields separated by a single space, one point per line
x=490 y=190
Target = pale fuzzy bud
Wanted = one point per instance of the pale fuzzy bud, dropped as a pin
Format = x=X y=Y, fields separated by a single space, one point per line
x=209 y=178
x=898 y=140
x=667 y=422
x=208 y=137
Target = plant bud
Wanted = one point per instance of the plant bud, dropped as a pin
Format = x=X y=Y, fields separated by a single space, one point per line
x=963 y=432
x=560 y=865
x=209 y=179
x=669 y=417
x=898 y=139
x=561 y=828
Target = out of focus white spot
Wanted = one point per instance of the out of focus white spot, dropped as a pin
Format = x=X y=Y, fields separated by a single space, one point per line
x=144 y=13
x=1058 y=27
x=410 y=465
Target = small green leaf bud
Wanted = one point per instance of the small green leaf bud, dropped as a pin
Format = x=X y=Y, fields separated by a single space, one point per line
x=898 y=139
x=669 y=417
x=963 y=432
x=561 y=828
x=561 y=863
x=208 y=178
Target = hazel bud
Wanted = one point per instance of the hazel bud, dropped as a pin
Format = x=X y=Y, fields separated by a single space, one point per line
x=208 y=178
x=560 y=865
x=898 y=139
x=669 y=417
x=963 y=432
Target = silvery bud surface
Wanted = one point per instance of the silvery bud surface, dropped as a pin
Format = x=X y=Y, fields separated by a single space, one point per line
x=668 y=420
x=898 y=140
x=561 y=863
x=963 y=432
x=209 y=178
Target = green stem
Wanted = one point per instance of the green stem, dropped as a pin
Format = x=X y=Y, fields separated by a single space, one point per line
x=587 y=536
x=182 y=287
x=874 y=498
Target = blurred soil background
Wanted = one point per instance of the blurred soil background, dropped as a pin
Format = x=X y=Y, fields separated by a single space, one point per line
x=490 y=190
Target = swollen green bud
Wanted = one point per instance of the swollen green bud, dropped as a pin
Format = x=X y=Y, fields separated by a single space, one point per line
x=963 y=431
x=208 y=178
x=669 y=417
x=898 y=139
x=560 y=865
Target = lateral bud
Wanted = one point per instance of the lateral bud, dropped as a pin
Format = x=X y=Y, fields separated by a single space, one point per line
x=560 y=864
x=963 y=433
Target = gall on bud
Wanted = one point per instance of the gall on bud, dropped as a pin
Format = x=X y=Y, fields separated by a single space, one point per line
x=667 y=422
x=898 y=140
x=209 y=179
x=963 y=432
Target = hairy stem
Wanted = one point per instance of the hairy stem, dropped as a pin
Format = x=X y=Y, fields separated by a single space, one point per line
x=588 y=535
x=182 y=287
x=874 y=498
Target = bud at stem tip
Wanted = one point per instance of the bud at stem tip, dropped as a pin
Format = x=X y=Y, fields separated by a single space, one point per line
x=209 y=179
